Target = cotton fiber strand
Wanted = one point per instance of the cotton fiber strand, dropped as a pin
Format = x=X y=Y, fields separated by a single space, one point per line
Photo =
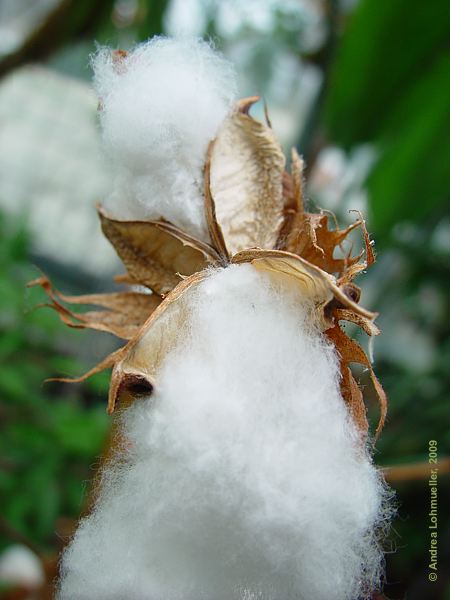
x=243 y=476
x=161 y=106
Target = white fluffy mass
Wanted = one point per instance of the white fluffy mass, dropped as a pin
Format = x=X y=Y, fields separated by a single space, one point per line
x=243 y=477
x=161 y=106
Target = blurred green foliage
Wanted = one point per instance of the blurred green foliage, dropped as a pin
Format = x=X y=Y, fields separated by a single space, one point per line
x=390 y=86
x=50 y=433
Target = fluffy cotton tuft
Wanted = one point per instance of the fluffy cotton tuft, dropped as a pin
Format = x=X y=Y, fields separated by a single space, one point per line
x=161 y=106
x=243 y=476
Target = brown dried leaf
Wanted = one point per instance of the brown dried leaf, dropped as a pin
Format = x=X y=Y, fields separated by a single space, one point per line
x=311 y=238
x=243 y=184
x=318 y=284
x=309 y=234
x=138 y=361
x=293 y=210
x=354 y=398
x=350 y=273
x=156 y=253
x=215 y=231
x=108 y=362
x=351 y=352
x=344 y=314
x=126 y=311
x=125 y=278
x=244 y=104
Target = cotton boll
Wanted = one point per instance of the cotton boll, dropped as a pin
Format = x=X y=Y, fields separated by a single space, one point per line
x=243 y=476
x=161 y=106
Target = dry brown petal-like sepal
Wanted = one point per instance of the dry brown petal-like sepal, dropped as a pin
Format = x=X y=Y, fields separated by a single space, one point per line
x=367 y=325
x=351 y=352
x=353 y=396
x=353 y=270
x=311 y=238
x=244 y=104
x=318 y=284
x=126 y=311
x=108 y=362
x=156 y=253
x=309 y=234
x=125 y=279
x=215 y=230
x=143 y=355
x=243 y=184
x=136 y=364
x=293 y=210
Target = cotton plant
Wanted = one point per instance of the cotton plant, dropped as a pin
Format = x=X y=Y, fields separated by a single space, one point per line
x=239 y=465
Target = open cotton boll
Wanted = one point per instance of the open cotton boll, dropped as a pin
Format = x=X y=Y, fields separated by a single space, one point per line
x=243 y=476
x=161 y=106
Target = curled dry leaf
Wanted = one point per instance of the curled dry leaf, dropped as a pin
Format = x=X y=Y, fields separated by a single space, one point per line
x=126 y=279
x=124 y=315
x=353 y=396
x=344 y=314
x=243 y=184
x=351 y=352
x=309 y=235
x=311 y=238
x=356 y=268
x=155 y=253
x=293 y=209
x=108 y=362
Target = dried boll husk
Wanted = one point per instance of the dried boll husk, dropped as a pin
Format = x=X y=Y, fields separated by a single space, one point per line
x=256 y=214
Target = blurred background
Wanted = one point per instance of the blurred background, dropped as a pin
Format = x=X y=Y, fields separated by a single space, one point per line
x=361 y=88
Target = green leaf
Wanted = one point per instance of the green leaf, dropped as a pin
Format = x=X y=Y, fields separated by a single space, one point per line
x=387 y=47
x=411 y=179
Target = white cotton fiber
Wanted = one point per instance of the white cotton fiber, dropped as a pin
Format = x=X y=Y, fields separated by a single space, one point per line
x=161 y=106
x=243 y=477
